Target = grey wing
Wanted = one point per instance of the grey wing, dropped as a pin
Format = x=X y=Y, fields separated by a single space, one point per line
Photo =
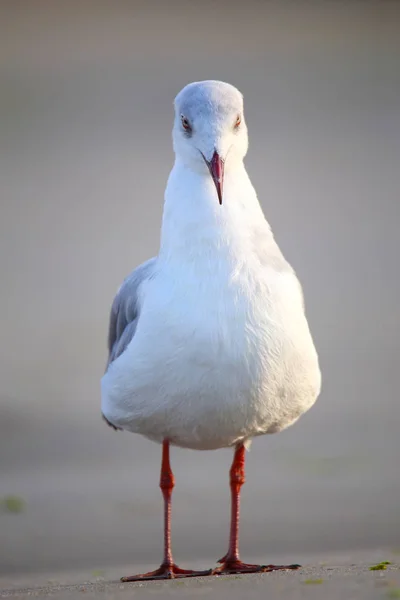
x=125 y=310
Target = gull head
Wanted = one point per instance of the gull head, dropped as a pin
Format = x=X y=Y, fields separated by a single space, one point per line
x=210 y=134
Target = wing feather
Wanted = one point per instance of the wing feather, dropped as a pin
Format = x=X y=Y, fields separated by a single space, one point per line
x=125 y=310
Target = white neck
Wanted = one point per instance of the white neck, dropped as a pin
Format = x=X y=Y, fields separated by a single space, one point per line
x=195 y=225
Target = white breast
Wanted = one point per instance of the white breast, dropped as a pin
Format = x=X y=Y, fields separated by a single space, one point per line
x=216 y=368
x=222 y=351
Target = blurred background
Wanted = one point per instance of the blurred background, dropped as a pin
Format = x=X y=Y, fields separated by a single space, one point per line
x=86 y=92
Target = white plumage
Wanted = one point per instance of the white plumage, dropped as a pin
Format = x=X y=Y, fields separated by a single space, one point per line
x=209 y=344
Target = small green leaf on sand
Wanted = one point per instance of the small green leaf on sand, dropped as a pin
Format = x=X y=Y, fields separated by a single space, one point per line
x=378 y=567
x=313 y=581
x=98 y=573
x=385 y=562
x=12 y=504
x=393 y=593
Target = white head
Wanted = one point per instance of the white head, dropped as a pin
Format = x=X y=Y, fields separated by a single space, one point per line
x=210 y=133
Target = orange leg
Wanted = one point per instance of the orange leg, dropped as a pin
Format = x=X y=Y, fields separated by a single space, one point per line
x=231 y=563
x=168 y=569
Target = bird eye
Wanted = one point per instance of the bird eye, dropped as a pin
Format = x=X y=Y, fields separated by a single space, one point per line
x=185 y=123
x=238 y=121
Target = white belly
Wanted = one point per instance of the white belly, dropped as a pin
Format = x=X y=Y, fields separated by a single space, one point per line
x=241 y=364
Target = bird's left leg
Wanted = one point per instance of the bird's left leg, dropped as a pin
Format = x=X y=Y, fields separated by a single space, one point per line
x=231 y=562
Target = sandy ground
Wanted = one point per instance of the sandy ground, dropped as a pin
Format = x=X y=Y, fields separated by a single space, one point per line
x=344 y=576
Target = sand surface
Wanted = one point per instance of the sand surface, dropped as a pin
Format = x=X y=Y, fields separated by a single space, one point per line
x=345 y=576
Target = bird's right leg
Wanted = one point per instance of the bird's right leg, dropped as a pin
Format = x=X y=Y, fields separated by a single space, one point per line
x=168 y=569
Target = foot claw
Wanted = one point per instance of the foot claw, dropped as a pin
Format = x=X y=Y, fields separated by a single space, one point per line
x=167 y=572
x=231 y=567
x=236 y=567
x=269 y=568
x=223 y=559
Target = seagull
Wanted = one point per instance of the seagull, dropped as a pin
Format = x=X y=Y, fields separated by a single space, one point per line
x=209 y=345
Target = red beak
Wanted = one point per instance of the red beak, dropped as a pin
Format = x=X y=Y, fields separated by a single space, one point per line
x=216 y=168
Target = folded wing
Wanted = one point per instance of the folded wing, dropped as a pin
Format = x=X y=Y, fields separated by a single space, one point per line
x=125 y=310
